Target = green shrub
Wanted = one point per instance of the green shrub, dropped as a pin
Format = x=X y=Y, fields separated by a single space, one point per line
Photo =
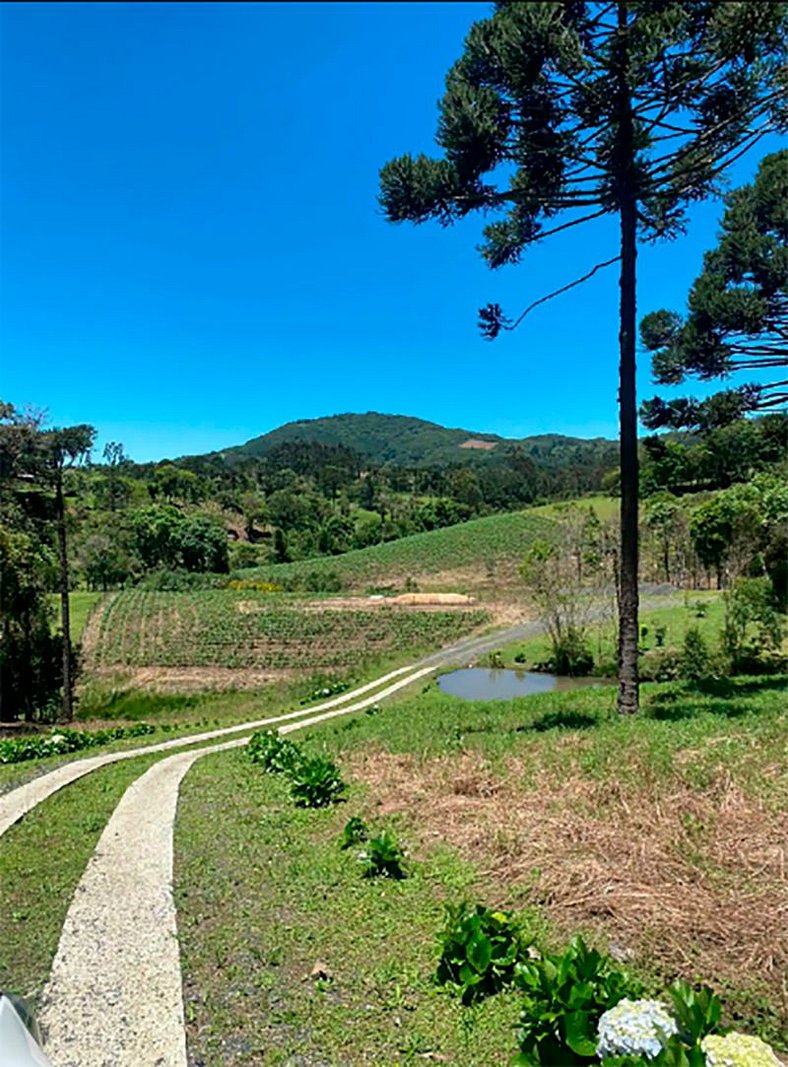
x=63 y=740
x=176 y=580
x=315 y=782
x=661 y=665
x=383 y=857
x=564 y=997
x=479 y=951
x=354 y=833
x=695 y=660
x=571 y=654
x=274 y=753
x=750 y=602
x=328 y=688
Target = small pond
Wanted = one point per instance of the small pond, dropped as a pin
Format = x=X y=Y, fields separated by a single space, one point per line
x=483 y=683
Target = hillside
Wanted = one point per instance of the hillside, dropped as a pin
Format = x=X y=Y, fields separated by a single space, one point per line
x=465 y=557
x=410 y=442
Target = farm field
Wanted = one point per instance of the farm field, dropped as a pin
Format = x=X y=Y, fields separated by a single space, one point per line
x=480 y=552
x=248 y=629
x=657 y=836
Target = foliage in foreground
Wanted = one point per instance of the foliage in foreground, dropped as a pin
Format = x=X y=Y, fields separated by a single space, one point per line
x=383 y=857
x=564 y=998
x=480 y=949
x=59 y=742
x=315 y=782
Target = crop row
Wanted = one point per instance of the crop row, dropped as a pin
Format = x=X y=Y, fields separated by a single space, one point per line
x=232 y=628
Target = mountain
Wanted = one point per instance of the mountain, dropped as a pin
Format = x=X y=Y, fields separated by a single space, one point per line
x=409 y=442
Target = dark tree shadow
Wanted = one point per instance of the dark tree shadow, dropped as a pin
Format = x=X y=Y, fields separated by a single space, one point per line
x=683 y=700
x=560 y=720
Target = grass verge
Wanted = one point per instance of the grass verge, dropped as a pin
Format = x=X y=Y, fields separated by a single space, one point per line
x=269 y=899
x=42 y=858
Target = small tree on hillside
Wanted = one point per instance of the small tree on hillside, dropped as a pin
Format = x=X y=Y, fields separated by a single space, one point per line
x=59 y=450
x=738 y=311
x=582 y=109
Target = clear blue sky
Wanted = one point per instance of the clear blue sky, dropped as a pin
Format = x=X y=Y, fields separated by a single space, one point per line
x=193 y=254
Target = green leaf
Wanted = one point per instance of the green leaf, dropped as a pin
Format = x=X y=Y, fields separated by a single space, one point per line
x=480 y=953
x=578 y=1033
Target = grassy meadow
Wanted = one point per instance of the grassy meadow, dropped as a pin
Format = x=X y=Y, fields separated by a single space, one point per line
x=657 y=836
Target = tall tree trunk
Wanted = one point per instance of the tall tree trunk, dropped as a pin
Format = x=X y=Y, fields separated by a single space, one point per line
x=628 y=694
x=68 y=696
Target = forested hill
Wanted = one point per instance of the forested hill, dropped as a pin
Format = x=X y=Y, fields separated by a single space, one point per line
x=408 y=442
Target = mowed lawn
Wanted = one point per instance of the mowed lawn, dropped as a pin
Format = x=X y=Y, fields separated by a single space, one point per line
x=661 y=837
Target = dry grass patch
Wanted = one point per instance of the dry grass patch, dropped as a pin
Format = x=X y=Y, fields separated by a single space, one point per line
x=686 y=881
x=192 y=679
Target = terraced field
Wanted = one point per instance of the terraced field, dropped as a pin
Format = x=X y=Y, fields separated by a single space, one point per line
x=238 y=629
x=497 y=542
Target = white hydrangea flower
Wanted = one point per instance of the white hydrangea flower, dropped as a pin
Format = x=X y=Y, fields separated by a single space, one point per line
x=635 y=1028
x=737 y=1050
x=56 y=739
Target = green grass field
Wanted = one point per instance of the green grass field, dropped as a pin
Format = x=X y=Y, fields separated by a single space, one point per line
x=482 y=544
x=80 y=604
x=645 y=833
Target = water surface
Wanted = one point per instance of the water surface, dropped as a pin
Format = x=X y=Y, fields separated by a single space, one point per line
x=482 y=683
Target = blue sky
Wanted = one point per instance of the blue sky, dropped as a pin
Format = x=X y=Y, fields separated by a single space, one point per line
x=193 y=253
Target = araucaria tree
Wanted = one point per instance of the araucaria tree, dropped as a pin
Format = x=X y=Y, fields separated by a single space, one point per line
x=576 y=110
x=738 y=312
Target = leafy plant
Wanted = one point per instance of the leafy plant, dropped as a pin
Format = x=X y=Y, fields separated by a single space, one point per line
x=274 y=753
x=315 y=782
x=383 y=857
x=564 y=997
x=480 y=949
x=695 y=663
x=354 y=833
x=697 y=1011
x=64 y=739
x=659 y=635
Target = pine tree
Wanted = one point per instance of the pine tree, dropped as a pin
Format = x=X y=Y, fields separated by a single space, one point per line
x=738 y=311
x=578 y=110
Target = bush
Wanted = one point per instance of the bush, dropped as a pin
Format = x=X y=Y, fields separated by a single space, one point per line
x=354 y=833
x=61 y=741
x=750 y=602
x=571 y=654
x=176 y=580
x=564 y=998
x=661 y=665
x=315 y=783
x=321 y=582
x=480 y=949
x=274 y=753
x=383 y=857
x=328 y=688
x=695 y=660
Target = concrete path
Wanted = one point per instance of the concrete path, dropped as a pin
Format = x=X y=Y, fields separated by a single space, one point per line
x=17 y=802
x=114 y=998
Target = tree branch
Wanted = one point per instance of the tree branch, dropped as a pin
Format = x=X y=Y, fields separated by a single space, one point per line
x=558 y=292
